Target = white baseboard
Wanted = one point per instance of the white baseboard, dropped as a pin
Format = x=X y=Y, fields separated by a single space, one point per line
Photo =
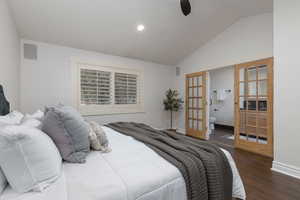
x=286 y=169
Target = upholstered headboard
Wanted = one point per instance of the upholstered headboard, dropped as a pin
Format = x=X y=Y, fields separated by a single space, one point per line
x=4 y=104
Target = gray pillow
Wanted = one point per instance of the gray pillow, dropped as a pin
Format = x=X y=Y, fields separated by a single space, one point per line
x=29 y=158
x=69 y=132
x=3 y=181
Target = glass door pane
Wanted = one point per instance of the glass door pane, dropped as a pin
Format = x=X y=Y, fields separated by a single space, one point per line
x=263 y=88
x=243 y=103
x=195 y=82
x=200 y=125
x=199 y=80
x=262 y=104
x=190 y=81
x=262 y=72
x=242 y=89
x=200 y=103
x=252 y=88
x=251 y=104
x=251 y=76
x=242 y=74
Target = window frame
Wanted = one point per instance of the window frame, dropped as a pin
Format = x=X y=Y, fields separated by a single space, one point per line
x=110 y=109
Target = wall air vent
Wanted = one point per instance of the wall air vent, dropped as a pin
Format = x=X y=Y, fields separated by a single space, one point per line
x=177 y=71
x=30 y=51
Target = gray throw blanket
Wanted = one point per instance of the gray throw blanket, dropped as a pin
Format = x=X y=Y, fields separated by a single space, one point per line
x=204 y=166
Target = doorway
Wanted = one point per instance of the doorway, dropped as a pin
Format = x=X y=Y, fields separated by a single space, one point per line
x=233 y=106
x=221 y=105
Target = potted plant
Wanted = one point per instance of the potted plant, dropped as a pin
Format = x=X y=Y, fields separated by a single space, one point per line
x=172 y=103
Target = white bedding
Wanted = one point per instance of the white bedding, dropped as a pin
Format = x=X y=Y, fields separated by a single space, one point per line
x=132 y=171
x=57 y=191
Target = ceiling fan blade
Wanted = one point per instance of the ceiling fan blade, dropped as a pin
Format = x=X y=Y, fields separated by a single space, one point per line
x=185 y=7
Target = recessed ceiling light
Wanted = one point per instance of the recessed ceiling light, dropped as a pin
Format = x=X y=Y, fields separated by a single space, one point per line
x=140 y=27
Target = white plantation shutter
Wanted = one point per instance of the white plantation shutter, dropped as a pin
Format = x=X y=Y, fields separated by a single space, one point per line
x=108 y=90
x=95 y=87
x=125 y=88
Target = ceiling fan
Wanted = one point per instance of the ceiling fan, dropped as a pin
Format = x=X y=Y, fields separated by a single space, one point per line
x=185 y=7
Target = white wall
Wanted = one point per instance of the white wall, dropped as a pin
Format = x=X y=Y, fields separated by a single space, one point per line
x=222 y=78
x=9 y=55
x=287 y=90
x=48 y=81
x=248 y=39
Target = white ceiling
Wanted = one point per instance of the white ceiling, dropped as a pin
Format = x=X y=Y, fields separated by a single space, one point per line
x=109 y=26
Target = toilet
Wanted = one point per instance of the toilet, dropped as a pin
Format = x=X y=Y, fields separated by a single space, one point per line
x=212 y=121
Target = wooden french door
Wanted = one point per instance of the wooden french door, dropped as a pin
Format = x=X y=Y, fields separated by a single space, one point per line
x=254 y=106
x=196 y=105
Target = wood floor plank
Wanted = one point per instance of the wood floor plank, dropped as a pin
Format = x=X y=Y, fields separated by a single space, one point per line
x=260 y=182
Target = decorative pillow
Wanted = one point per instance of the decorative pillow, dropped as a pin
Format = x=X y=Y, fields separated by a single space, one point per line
x=94 y=142
x=98 y=138
x=69 y=132
x=29 y=158
x=14 y=117
x=3 y=181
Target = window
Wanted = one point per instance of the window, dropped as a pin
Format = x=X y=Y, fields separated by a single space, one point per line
x=125 y=88
x=109 y=90
x=95 y=87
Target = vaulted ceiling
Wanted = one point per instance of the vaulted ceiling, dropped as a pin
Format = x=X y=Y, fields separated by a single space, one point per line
x=109 y=26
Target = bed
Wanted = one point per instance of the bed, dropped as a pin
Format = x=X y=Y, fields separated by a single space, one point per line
x=132 y=171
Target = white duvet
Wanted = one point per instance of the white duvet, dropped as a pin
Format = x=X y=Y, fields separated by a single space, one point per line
x=132 y=171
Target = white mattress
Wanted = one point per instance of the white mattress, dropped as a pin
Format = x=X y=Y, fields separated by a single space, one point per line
x=132 y=171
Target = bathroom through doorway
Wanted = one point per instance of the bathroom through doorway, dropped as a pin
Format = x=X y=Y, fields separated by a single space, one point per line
x=221 y=105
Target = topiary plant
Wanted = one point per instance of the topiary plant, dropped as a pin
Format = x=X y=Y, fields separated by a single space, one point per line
x=172 y=103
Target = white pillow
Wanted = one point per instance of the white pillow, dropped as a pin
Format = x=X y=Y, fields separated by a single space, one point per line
x=14 y=117
x=3 y=182
x=29 y=159
x=31 y=122
x=39 y=115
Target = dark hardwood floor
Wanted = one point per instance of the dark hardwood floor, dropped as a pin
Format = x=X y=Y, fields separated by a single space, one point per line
x=220 y=135
x=260 y=182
